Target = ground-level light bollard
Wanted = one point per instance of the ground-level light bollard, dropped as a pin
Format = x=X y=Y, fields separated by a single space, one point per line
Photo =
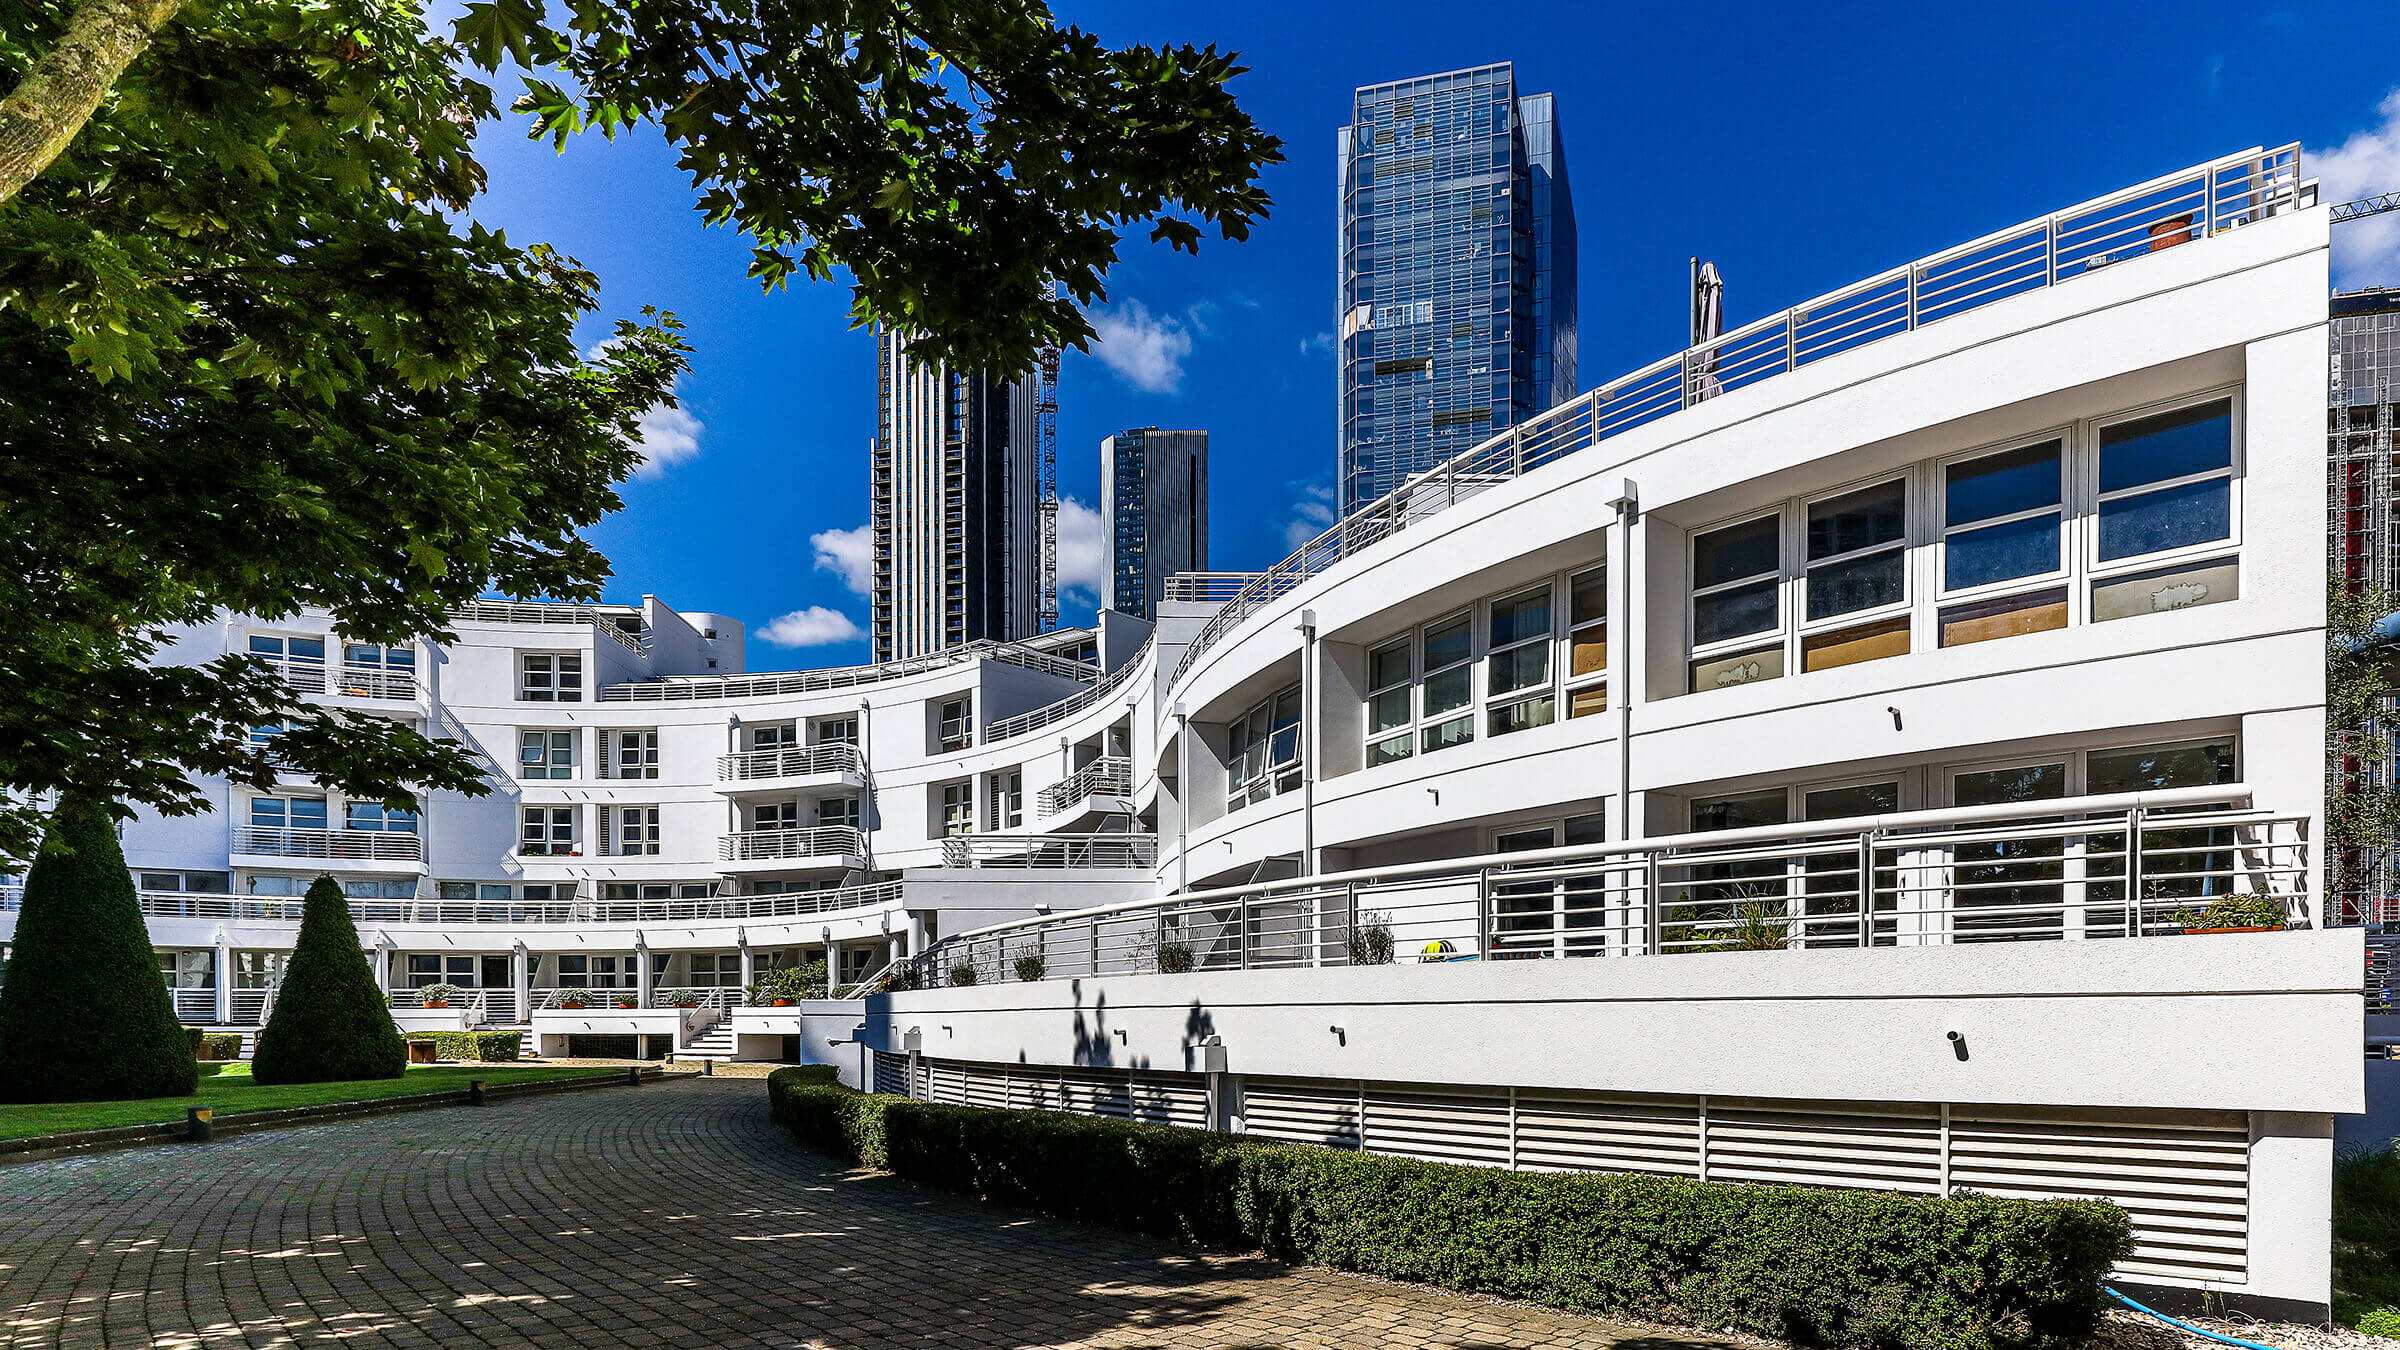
x=196 y=1127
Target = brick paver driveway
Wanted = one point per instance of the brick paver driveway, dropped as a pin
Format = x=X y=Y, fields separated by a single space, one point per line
x=667 y=1214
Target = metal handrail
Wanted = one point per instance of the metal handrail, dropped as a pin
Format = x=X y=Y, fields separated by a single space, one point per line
x=690 y=688
x=1109 y=774
x=2099 y=866
x=1072 y=704
x=373 y=682
x=287 y=842
x=796 y=761
x=1109 y=850
x=431 y=911
x=810 y=841
x=2195 y=203
x=1203 y=587
x=558 y=612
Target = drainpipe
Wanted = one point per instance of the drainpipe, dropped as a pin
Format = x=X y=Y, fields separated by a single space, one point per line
x=1306 y=748
x=870 y=812
x=1183 y=792
x=1621 y=628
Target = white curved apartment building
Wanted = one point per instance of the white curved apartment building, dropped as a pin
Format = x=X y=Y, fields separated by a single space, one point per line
x=1924 y=598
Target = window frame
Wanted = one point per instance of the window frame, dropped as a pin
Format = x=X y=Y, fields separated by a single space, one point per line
x=1494 y=704
x=952 y=734
x=643 y=761
x=1471 y=711
x=633 y=831
x=545 y=832
x=1249 y=783
x=1571 y=684
x=2235 y=473
x=550 y=740
x=1905 y=546
x=1405 y=730
x=954 y=808
x=1939 y=529
x=556 y=690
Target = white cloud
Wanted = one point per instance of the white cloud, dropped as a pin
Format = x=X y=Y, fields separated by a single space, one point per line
x=814 y=626
x=1145 y=350
x=848 y=554
x=1310 y=514
x=669 y=437
x=1079 y=549
x=2365 y=252
x=1317 y=344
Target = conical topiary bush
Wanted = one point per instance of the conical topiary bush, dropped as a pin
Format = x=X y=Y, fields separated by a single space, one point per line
x=84 y=1015
x=330 y=1022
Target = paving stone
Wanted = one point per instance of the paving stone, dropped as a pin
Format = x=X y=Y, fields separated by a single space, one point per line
x=671 y=1214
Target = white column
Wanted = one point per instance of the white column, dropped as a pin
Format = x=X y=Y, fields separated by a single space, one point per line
x=520 y=977
x=741 y=939
x=1183 y=796
x=224 y=960
x=1309 y=680
x=641 y=970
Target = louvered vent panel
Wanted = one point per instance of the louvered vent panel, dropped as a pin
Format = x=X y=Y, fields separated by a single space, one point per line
x=1873 y=1147
x=1296 y=1109
x=1099 y=1092
x=986 y=1087
x=1444 y=1124
x=1604 y=1132
x=891 y=1074
x=2183 y=1176
x=948 y=1084
x=1171 y=1099
x=1033 y=1089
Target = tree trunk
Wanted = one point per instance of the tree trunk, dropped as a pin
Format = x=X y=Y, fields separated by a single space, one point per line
x=40 y=117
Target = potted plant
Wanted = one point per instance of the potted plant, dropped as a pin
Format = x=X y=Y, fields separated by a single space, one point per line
x=1030 y=965
x=1174 y=958
x=438 y=995
x=574 y=1000
x=2238 y=913
x=2170 y=231
x=962 y=974
x=682 y=998
x=1371 y=939
x=626 y=1000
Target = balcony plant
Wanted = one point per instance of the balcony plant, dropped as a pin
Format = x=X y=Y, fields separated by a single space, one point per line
x=680 y=998
x=574 y=1000
x=962 y=975
x=1175 y=958
x=625 y=1000
x=787 y=985
x=1030 y=965
x=1371 y=939
x=439 y=995
x=2238 y=913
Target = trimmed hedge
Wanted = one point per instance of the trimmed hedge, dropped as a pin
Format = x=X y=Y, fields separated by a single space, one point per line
x=216 y=1045
x=84 y=1016
x=331 y=1023
x=482 y=1047
x=1872 y=1269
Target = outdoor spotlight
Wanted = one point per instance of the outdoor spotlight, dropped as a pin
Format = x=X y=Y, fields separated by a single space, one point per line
x=1958 y=1045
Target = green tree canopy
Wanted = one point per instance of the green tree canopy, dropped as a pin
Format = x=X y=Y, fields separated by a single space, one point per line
x=252 y=366
x=965 y=160
x=84 y=1016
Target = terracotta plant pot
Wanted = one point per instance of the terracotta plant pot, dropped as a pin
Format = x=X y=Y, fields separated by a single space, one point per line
x=783 y=1003
x=2170 y=232
x=437 y=1003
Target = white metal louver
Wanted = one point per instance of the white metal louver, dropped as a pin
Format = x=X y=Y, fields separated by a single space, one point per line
x=946 y=1083
x=1879 y=1146
x=1308 y=1112
x=2183 y=1176
x=1442 y=1124
x=1171 y=1099
x=891 y=1074
x=986 y=1087
x=1097 y=1092
x=1607 y=1132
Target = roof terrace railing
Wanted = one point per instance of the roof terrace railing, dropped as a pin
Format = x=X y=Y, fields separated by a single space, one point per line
x=431 y=910
x=1108 y=850
x=1203 y=587
x=2196 y=203
x=1003 y=728
x=2073 y=869
x=693 y=688
x=554 y=611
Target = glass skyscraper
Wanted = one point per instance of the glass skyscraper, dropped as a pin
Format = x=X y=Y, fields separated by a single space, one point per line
x=1154 y=514
x=1457 y=312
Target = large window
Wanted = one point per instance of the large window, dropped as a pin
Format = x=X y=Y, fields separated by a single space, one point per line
x=287 y=813
x=1737 y=574
x=835 y=730
x=1008 y=800
x=1587 y=643
x=1518 y=692
x=1435 y=686
x=547 y=832
x=954 y=723
x=1391 y=691
x=545 y=754
x=377 y=818
x=630 y=754
x=775 y=815
x=2003 y=517
x=1448 y=692
x=550 y=677
x=2166 y=481
x=1266 y=751
x=957 y=809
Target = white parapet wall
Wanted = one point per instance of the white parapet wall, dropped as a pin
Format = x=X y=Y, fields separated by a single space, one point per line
x=2200 y=1075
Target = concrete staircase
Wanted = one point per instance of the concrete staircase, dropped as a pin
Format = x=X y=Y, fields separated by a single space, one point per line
x=716 y=1043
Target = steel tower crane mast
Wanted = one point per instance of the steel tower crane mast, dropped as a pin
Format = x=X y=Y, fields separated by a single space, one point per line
x=2364 y=207
x=1045 y=407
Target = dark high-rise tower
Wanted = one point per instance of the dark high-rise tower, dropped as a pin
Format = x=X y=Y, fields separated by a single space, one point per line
x=1457 y=315
x=955 y=482
x=1154 y=514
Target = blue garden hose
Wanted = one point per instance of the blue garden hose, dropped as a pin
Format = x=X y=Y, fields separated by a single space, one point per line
x=2184 y=1326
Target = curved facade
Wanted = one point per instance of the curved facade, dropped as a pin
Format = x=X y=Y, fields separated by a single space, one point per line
x=1883 y=628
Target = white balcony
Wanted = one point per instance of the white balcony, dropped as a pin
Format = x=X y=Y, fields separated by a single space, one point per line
x=816 y=842
x=315 y=675
x=1107 y=776
x=332 y=845
x=835 y=761
x=1112 y=851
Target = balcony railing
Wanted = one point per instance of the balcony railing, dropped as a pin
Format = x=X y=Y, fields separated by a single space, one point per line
x=1070 y=705
x=2089 y=868
x=690 y=688
x=715 y=997
x=818 y=841
x=790 y=762
x=305 y=674
x=429 y=911
x=374 y=682
x=547 y=612
x=1204 y=587
x=2199 y=202
x=281 y=842
x=1050 y=850
x=1107 y=776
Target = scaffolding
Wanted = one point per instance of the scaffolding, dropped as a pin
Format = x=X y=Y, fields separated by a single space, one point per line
x=2362 y=550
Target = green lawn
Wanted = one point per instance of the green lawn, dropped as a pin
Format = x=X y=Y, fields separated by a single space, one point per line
x=229 y=1092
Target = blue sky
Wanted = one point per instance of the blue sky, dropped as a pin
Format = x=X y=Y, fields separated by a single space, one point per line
x=1800 y=147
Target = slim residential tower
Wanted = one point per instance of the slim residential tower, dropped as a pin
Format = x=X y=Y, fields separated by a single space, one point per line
x=955 y=484
x=1154 y=509
x=1457 y=315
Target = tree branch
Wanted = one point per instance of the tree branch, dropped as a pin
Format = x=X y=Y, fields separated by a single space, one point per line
x=41 y=116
